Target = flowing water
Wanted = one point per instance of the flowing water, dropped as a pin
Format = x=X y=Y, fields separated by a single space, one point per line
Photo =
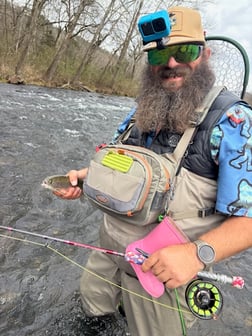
x=50 y=131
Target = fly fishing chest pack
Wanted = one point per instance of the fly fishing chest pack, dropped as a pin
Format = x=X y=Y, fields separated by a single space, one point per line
x=134 y=183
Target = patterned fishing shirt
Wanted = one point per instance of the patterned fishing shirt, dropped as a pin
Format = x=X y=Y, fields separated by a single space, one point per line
x=231 y=148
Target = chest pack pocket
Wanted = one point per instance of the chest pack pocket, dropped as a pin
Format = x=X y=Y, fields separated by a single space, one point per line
x=134 y=183
x=130 y=182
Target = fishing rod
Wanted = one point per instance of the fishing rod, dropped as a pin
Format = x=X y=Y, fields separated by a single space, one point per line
x=64 y=241
x=136 y=258
x=203 y=298
x=235 y=281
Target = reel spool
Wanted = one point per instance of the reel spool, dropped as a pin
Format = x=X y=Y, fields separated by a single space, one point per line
x=204 y=299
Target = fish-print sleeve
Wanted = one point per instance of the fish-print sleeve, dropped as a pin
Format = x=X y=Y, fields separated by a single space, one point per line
x=231 y=148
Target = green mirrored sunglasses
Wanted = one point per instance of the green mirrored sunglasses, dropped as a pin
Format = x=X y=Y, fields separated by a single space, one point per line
x=183 y=53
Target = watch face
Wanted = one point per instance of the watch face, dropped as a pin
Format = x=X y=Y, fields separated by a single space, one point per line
x=206 y=254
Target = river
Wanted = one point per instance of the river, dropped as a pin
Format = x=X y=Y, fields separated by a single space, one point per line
x=46 y=131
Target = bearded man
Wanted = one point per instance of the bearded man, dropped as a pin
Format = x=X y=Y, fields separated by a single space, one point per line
x=212 y=195
x=163 y=103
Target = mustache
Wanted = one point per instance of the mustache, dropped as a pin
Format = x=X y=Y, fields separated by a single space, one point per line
x=166 y=72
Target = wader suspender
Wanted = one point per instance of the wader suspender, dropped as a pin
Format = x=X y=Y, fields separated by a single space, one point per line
x=190 y=132
x=179 y=152
x=178 y=155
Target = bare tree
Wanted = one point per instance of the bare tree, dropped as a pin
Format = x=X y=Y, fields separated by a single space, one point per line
x=128 y=38
x=67 y=34
x=13 y=21
x=31 y=29
x=95 y=42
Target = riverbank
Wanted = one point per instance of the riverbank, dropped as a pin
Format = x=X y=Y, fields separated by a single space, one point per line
x=33 y=75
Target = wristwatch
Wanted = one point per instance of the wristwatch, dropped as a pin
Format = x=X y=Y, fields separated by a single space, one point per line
x=205 y=253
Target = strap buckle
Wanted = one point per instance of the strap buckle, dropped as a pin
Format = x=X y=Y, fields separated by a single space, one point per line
x=202 y=213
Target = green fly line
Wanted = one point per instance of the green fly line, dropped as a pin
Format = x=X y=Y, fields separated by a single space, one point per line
x=96 y=275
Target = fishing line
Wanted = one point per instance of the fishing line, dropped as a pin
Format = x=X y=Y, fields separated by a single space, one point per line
x=96 y=275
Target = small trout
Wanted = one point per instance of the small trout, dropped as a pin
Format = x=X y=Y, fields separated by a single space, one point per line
x=57 y=182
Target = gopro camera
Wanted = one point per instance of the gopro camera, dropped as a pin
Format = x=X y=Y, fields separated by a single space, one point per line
x=155 y=26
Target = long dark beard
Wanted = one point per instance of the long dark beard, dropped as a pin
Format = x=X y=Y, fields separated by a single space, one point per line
x=161 y=108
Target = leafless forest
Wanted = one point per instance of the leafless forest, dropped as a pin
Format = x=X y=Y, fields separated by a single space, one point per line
x=85 y=44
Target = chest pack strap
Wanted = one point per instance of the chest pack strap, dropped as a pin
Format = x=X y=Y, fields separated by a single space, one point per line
x=201 y=213
x=181 y=149
x=189 y=133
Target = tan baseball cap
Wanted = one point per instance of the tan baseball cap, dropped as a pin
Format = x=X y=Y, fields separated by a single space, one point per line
x=186 y=27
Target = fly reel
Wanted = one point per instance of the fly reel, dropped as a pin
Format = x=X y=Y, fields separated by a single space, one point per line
x=204 y=299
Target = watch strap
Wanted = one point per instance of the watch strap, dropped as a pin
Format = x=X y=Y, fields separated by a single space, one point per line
x=205 y=253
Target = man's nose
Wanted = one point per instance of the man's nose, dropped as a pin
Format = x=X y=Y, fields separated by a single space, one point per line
x=172 y=63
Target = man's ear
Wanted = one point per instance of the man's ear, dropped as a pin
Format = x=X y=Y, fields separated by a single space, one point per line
x=207 y=52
